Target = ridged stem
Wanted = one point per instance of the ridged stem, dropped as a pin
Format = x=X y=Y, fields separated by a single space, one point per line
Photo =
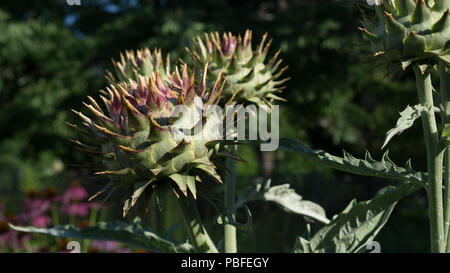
x=197 y=232
x=444 y=76
x=434 y=160
x=230 y=241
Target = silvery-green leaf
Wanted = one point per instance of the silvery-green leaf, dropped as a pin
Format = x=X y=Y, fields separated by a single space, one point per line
x=356 y=226
x=406 y=120
x=285 y=197
x=301 y=246
x=118 y=231
x=368 y=166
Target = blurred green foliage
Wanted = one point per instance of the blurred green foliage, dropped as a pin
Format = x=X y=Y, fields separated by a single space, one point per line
x=52 y=55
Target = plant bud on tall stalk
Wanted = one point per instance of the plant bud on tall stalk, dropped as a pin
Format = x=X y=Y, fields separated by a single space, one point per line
x=251 y=79
x=416 y=34
x=133 y=137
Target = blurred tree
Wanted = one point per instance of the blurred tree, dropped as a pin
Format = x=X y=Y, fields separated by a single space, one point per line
x=42 y=75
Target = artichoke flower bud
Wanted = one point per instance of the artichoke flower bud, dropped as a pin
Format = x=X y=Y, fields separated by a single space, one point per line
x=137 y=133
x=250 y=78
x=409 y=32
x=140 y=62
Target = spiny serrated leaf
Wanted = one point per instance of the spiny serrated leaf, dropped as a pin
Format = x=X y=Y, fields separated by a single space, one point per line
x=348 y=163
x=118 y=231
x=358 y=224
x=139 y=188
x=285 y=197
x=182 y=181
x=406 y=120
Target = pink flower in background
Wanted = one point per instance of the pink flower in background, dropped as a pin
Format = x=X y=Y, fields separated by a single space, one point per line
x=35 y=210
x=35 y=206
x=74 y=193
x=108 y=246
x=80 y=209
x=9 y=237
x=74 y=201
x=42 y=221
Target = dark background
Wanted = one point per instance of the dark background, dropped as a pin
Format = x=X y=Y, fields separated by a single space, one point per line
x=53 y=55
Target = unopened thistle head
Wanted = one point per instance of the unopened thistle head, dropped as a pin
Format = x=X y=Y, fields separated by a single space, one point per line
x=248 y=73
x=132 y=134
x=409 y=32
x=137 y=63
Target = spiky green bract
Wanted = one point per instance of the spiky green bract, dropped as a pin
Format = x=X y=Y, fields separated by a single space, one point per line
x=409 y=32
x=248 y=73
x=135 y=139
x=140 y=62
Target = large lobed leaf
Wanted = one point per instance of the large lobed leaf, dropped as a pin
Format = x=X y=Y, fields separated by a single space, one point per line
x=368 y=166
x=284 y=196
x=356 y=226
x=117 y=231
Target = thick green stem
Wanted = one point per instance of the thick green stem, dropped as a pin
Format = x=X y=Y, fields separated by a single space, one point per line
x=197 y=232
x=434 y=160
x=444 y=74
x=230 y=241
